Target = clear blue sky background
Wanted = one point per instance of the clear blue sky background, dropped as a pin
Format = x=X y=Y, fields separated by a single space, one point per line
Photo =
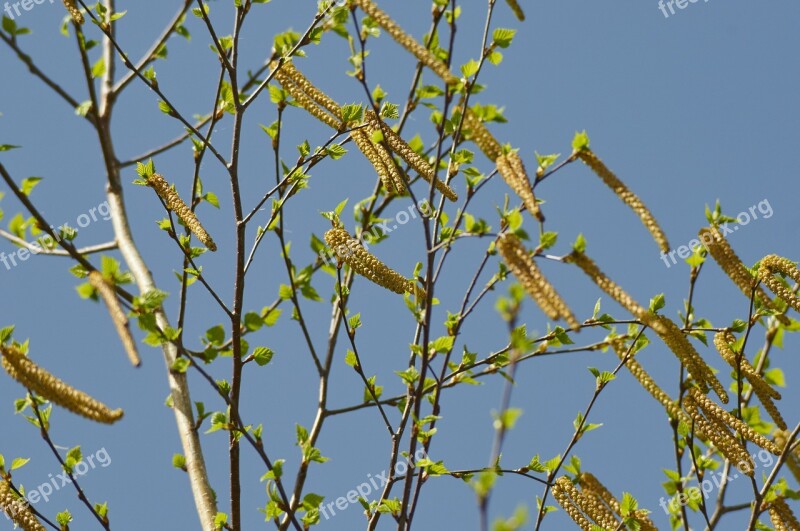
x=688 y=109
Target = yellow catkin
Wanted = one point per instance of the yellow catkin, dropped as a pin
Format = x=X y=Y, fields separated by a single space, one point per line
x=30 y=375
x=423 y=55
x=781 y=515
x=106 y=291
x=710 y=429
x=480 y=135
x=305 y=101
x=516 y=9
x=524 y=268
x=793 y=459
x=729 y=262
x=565 y=492
x=648 y=383
x=627 y=197
x=370 y=151
x=350 y=251
x=765 y=392
x=396 y=176
x=512 y=170
x=412 y=158
x=664 y=327
x=311 y=90
x=74 y=11
x=18 y=509
x=772 y=264
x=591 y=486
x=713 y=411
x=680 y=345
x=176 y=204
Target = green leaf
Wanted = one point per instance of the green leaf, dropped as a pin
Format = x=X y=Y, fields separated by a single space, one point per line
x=29 y=184
x=580 y=141
x=262 y=355
x=502 y=37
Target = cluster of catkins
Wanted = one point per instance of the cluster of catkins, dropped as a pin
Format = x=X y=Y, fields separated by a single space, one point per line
x=593 y=506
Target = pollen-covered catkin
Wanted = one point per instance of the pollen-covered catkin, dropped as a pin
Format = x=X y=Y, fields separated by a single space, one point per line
x=772 y=264
x=677 y=342
x=781 y=515
x=711 y=429
x=305 y=101
x=672 y=407
x=30 y=375
x=480 y=135
x=18 y=509
x=512 y=170
x=524 y=268
x=350 y=251
x=106 y=291
x=74 y=11
x=424 y=55
x=765 y=392
x=591 y=486
x=713 y=411
x=564 y=492
x=412 y=158
x=370 y=151
x=729 y=262
x=311 y=90
x=176 y=204
x=588 y=266
x=627 y=197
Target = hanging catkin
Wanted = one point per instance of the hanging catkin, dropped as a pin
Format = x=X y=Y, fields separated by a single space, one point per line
x=423 y=55
x=672 y=407
x=591 y=486
x=350 y=251
x=412 y=158
x=565 y=492
x=18 y=509
x=716 y=431
x=772 y=264
x=765 y=392
x=33 y=377
x=683 y=349
x=74 y=11
x=106 y=291
x=724 y=255
x=524 y=268
x=184 y=213
x=305 y=99
x=512 y=170
x=781 y=515
x=714 y=412
x=627 y=197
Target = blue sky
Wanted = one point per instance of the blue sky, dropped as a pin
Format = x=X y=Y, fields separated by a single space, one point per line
x=688 y=109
